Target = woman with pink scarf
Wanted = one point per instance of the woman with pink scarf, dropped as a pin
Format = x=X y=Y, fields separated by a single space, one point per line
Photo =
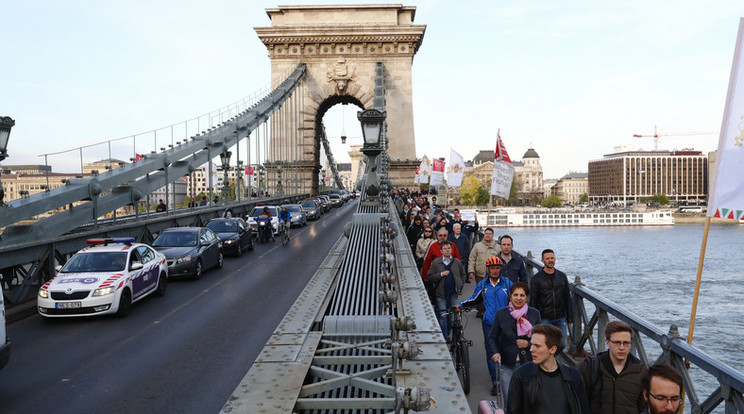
x=509 y=341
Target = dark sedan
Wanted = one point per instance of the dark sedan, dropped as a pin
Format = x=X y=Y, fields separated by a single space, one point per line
x=189 y=250
x=312 y=209
x=234 y=233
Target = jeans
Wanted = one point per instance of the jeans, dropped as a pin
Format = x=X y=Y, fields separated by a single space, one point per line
x=559 y=323
x=441 y=306
x=506 y=374
x=489 y=354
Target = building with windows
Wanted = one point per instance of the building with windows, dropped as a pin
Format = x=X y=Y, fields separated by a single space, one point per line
x=529 y=175
x=626 y=177
x=571 y=186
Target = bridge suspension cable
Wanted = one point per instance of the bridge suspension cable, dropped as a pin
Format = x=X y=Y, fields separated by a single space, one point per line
x=129 y=183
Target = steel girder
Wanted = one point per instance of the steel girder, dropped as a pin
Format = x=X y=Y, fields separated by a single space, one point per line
x=27 y=266
x=128 y=184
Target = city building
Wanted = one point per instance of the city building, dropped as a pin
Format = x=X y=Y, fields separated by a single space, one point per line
x=529 y=175
x=548 y=185
x=626 y=177
x=571 y=186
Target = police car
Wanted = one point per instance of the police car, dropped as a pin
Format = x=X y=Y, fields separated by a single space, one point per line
x=105 y=277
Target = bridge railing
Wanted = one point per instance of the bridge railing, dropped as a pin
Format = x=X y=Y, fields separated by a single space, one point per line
x=672 y=348
x=27 y=266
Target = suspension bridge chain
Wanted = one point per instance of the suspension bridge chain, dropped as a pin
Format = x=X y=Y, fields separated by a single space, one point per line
x=331 y=160
x=130 y=183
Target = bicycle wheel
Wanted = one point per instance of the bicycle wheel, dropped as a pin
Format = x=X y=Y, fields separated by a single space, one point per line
x=285 y=237
x=464 y=371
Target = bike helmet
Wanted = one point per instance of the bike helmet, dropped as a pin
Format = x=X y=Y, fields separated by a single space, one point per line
x=493 y=261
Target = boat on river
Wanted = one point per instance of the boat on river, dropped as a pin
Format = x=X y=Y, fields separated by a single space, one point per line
x=574 y=218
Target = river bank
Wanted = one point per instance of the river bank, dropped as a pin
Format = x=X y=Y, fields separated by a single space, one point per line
x=699 y=218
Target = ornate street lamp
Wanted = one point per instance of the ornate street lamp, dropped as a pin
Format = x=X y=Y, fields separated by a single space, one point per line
x=372 y=121
x=6 y=124
x=225 y=158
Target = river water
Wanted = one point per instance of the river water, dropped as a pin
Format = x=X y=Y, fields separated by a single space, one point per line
x=652 y=271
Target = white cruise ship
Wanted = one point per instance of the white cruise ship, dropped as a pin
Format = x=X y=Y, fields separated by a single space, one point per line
x=542 y=218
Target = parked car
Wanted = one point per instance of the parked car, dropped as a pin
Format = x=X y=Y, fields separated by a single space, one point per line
x=234 y=233
x=297 y=216
x=311 y=208
x=251 y=218
x=105 y=277
x=336 y=200
x=189 y=250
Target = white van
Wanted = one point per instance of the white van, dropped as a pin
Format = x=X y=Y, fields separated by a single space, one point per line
x=4 y=341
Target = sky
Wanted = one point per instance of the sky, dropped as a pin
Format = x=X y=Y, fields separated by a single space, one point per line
x=571 y=79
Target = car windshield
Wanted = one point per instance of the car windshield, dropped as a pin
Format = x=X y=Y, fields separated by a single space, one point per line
x=175 y=239
x=96 y=262
x=259 y=210
x=223 y=226
x=308 y=204
x=293 y=208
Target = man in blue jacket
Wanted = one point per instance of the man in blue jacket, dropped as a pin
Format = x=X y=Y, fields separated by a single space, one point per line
x=493 y=293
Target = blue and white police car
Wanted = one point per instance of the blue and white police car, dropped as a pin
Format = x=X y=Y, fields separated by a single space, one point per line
x=105 y=277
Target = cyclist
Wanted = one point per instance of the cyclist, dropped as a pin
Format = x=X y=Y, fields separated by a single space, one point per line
x=493 y=292
x=284 y=219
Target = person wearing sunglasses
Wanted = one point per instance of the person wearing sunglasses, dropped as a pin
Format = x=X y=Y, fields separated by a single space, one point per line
x=613 y=377
x=422 y=245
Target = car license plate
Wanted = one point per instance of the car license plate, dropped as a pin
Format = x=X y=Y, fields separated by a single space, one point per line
x=68 y=305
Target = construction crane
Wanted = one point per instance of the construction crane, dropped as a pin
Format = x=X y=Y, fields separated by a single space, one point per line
x=656 y=136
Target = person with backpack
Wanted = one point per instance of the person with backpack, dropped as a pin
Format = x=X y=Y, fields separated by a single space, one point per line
x=447 y=277
x=613 y=377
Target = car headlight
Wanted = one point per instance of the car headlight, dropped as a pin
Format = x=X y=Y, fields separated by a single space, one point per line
x=183 y=259
x=229 y=241
x=43 y=293
x=104 y=291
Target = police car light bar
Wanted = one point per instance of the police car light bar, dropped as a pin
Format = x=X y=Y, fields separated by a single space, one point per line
x=96 y=242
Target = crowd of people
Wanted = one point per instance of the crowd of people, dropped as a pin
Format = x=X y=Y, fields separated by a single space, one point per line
x=525 y=321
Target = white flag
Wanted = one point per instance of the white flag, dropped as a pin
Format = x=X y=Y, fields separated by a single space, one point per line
x=416 y=177
x=503 y=170
x=211 y=172
x=437 y=173
x=454 y=179
x=423 y=173
x=727 y=192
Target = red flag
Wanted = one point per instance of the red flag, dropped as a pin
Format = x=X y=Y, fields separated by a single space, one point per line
x=500 y=154
x=138 y=157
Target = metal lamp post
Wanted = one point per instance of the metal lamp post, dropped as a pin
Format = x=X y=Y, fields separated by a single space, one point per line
x=6 y=124
x=372 y=121
x=279 y=186
x=239 y=176
x=261 y=173
x=225 y=158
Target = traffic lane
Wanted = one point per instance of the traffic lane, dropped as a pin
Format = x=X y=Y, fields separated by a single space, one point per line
x=184 y=352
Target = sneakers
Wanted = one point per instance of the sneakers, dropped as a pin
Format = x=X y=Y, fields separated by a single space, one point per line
x=495 y=390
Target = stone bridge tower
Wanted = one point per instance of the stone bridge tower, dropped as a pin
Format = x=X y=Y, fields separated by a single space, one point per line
x=341 y=45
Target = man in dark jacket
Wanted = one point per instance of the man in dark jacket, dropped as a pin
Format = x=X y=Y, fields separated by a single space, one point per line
x=513 y=267
x=447 y=275
x=413 y=232
x=613 y=378
x=545 y=385
x=461 y=241
x=551 y=295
